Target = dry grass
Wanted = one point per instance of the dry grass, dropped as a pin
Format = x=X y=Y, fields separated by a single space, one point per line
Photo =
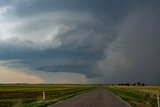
x=137 y=96
x=143 y=89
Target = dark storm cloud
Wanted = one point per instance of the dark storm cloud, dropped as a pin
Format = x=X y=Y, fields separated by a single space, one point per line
x=53 y=60
x=4 y=2
x=115 y=41
x=135 y=54
x=82 y=43
x=34 y=7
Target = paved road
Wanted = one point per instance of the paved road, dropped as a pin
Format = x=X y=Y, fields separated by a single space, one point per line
x=97 y=98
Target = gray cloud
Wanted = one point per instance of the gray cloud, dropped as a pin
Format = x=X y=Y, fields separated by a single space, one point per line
x=67 y=41
x=135 y=54
x=106 y=41
x=4 y=2
x=52 y=60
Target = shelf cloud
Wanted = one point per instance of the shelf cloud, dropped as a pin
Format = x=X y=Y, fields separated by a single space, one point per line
x=94 y=41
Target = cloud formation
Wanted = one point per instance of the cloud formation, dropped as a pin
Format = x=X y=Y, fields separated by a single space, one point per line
x=104 y=41
x=135 y=54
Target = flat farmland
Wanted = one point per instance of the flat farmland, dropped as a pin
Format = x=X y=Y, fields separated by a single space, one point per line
x=32 y=95
x=137 y=96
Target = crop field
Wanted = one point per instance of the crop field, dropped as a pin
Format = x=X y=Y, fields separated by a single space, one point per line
x=32 y=95
x=137 y=96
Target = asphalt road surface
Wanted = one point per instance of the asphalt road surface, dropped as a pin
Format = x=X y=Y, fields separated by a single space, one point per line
x=97 y=98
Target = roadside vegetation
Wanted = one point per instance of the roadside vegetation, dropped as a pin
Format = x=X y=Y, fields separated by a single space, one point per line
x=137 y=96
x=31 y=95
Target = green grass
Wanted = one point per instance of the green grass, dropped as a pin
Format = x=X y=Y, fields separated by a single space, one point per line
x=31 y=95
x=135 y=95
x=127 y=95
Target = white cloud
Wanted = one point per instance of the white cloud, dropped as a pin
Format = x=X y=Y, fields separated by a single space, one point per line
x=41 y=31
x=4 y=9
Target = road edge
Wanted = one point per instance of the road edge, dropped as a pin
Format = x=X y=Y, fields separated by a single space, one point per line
x=70 y=98
x=119 y=98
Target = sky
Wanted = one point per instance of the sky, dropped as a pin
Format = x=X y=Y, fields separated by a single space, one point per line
x=80 y=41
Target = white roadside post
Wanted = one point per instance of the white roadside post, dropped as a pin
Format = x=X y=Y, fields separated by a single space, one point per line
x=44 y=96
x=158 y=100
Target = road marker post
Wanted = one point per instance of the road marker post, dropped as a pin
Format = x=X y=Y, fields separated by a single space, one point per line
x=158 y=100
x=44 y=96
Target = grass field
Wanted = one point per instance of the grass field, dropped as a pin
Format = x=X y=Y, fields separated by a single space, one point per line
x=137 y=96
x=31 y=95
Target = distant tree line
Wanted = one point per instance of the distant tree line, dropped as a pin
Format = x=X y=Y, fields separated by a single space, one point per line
x=134 y=84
